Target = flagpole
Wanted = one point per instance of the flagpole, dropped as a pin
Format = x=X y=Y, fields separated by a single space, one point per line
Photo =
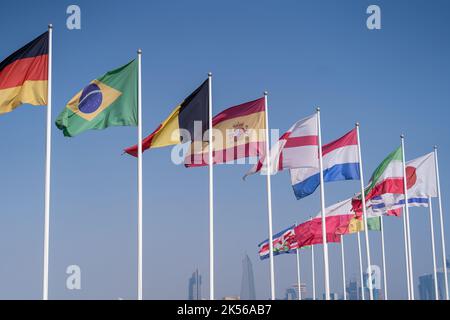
x=140 y=291
x=343 y=266
x=366 y=229
x=269 y=202
x=433 y=249
x=298 y=273
x=405 y=239
x=48 y=154
x=383 y=257
x=211 y=194
x=313 y=271
x=323 y=213
x=441 y=219
x=408 y=232
x=361 y=270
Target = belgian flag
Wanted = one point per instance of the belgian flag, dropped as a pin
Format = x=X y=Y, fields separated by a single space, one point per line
x=195 y=108
x=24 y=76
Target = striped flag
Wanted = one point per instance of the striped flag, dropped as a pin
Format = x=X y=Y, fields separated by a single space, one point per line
x=296 y=148
x=238 y=133
x=24 y=76
x=340 y=162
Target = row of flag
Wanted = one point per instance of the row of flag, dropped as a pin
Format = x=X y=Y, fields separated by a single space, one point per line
x=239 y=132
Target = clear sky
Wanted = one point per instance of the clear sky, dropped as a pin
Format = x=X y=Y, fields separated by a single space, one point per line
x=305 y=53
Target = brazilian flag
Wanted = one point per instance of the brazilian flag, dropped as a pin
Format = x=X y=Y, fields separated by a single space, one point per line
x=108 y=101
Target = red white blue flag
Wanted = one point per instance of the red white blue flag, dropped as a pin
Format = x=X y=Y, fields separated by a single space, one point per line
x=340 y=162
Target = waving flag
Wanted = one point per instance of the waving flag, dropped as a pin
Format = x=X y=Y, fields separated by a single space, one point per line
x=421 y=184
x=239 y=132
x=24 y=76
x=193 y=109
x=283 y=242
x=296 y=148
x=340 y=219
x=110 y=100
x=340 y=162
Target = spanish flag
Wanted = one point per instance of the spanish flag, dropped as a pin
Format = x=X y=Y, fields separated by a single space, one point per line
x=192 y=112
x=239 y=132
x=24 y=75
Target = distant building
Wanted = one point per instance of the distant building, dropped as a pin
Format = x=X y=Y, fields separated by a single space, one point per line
x=333 y=296
x=248 y=280
x=195 y=286
x=426 y=286
x=377 y=293
x=352 y=290
x=293 y=291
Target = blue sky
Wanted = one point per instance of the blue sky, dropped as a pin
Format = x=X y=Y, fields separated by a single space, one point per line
x=305 y=53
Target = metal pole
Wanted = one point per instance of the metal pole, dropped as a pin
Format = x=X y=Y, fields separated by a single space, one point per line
x=140 y=291
x=323 y=213
x=313 y=272
x=433 y=249
x=408 y=232
x=211 y=194
x=383 y=256
x=269 y=202
x=298 y=273
x=361 y=270
x=405 y=239
x=343 y=267
x=441 y=219
x=366 y=229
x=48 y=154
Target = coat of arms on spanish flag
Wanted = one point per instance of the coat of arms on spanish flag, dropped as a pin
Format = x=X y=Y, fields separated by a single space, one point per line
x=24 y=76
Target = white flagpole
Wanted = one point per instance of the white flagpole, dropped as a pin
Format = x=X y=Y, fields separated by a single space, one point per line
x=322 y=205
x=48 y=154
x=433 y=249
x=383 y=257
x=298 y=273
x=269 y=202
x=211 y=194
x=366 y=229
x=140 y=292
x=343 y=267
x=441 y=219
x=361 y=270
x=405 y=239
x=313 y=271
x=408 y=232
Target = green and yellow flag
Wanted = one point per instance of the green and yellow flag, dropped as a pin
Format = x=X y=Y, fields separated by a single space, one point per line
x=108 y=101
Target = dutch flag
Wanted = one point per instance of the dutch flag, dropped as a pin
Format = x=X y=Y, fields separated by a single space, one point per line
x=340 y=162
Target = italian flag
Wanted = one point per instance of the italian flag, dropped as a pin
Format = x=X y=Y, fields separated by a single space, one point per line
x=386 y=181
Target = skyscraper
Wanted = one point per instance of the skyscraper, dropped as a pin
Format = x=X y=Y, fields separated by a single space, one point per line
x=195 y=286
x=426 y=286
x=248 y=280
x=352 y=290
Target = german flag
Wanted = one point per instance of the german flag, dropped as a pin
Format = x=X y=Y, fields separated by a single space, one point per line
x=24 y=75
x=194 y=109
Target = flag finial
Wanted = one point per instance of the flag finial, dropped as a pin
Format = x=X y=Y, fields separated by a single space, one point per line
x=402 y=136
x=209 y=74
x=266 y=93
x=50 y=26
x=139 y=51
x=318 y=109
x=435 y=147
x=357 y=124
